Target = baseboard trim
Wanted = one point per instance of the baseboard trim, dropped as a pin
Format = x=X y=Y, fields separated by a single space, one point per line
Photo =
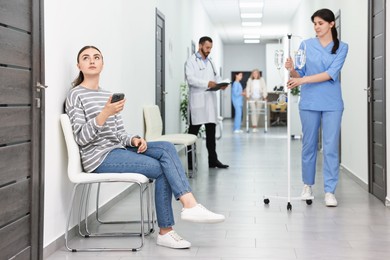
x=60 y=242
x=356 y=179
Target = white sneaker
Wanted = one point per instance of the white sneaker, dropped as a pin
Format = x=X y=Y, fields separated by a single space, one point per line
x=330 y=200
x=307 y=193
x=238 y=131
x=254 y=130
x=172 y=240
x=200 y=214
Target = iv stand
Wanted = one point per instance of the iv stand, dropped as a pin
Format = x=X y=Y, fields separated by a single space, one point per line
x=266 y=197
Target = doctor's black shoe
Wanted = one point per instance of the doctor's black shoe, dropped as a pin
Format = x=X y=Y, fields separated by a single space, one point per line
x=218 y=164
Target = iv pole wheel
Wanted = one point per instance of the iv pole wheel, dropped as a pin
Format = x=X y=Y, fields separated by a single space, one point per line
x=309 y=202
x=266 y=201
x=289 y=206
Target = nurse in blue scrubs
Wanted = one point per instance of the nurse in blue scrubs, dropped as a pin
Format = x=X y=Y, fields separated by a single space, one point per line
x=237 y=99
x=321 y=102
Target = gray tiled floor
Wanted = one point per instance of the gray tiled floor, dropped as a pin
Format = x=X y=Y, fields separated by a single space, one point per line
x=359 y=228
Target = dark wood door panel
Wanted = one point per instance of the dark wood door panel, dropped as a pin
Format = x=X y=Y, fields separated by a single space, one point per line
x=15 y=202
x=15 y=238
x=378 y=25
x=15 y=125
x=15 y=86
x=378 y=155
x=378 y=69
x=378 y=90
x=15 y=48
x=378 y=113
x=24 y=255
x=16 y=13
x=378 y=6
x=378 y=175
x=15 y=163
x=378 y=45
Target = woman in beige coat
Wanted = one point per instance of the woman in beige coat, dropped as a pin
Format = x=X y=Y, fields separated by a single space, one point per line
x=256 y=90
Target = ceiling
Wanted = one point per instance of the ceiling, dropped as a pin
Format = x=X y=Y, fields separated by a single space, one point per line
x=225 y=15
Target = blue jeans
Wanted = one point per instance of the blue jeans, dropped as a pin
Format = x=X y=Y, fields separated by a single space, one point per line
x=331 y=123
x=160 y=162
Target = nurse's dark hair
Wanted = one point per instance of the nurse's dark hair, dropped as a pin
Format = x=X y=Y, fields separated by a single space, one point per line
x=80 y=77
x=328 y=15
x=204 y=39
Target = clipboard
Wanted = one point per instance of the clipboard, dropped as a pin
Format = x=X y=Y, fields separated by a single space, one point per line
x=220 y=85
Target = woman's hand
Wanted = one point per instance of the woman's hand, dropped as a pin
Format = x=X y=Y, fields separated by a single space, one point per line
x=110 y=109
x=289 y=65
x=295 y=82
x=140 y=143
x=114 y=108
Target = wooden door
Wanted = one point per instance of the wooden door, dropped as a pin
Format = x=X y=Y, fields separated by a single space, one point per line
x=21 y=157
x=160 y=65
x=376 y=98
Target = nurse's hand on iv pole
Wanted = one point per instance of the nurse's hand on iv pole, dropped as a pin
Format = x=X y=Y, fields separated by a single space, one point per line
x=289 y=65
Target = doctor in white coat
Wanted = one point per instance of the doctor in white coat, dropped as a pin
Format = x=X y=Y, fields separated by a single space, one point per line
x=202 y=76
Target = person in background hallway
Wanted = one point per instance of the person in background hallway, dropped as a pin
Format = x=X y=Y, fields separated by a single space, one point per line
x=256 y=90
x=106 y=147
x=201 y=75
x=237 y=98
x=321 y=102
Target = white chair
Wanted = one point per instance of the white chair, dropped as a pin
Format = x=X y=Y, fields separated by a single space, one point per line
x=153 y=132
x=85 y=180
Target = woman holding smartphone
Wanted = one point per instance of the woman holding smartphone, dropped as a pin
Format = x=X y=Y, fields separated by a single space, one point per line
x=106 y=147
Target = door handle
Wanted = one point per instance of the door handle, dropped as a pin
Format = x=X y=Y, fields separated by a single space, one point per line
x=40 y=86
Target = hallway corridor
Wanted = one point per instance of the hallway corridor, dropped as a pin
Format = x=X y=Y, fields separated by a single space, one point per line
x=358 y=229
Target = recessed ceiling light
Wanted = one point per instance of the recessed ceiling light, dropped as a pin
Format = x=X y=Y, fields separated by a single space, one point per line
x=251 y=30
x=251 y=4
x=251 y=15
x=251 y=36
x=251 y=41
x=251 y=24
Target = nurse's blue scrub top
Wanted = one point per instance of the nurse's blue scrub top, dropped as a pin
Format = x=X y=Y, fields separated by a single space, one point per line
x=326 y=95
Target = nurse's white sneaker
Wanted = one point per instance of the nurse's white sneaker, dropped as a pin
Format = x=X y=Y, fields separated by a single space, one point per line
x=172 y=240
x=238 y=131
x=307 y=193
x=330 y=200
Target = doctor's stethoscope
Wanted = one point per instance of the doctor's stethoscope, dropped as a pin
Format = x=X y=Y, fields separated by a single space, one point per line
x=202 y=65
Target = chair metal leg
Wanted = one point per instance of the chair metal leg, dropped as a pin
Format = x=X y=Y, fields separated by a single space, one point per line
x=194 y=160
x=83 y=202
x=148 y=209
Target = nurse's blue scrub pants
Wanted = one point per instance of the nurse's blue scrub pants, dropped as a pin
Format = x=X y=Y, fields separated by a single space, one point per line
x=331 y=122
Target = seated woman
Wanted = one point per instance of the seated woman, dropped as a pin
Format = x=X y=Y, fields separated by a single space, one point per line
x=106 y=147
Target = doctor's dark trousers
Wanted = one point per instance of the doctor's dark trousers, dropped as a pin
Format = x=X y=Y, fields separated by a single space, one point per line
x=210 y=141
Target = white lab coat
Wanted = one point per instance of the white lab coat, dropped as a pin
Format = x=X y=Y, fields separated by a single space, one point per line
x=202 y=103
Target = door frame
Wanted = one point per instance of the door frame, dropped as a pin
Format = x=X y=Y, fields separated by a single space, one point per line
x=370 y=106
x=38 y=130
x=160 y=94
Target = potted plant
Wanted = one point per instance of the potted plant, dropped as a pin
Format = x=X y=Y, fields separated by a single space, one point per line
x=184 y=105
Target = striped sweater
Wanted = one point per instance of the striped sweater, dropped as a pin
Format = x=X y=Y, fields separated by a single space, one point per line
x=82 y=106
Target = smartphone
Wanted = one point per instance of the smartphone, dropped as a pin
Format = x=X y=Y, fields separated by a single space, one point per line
x=117 y=97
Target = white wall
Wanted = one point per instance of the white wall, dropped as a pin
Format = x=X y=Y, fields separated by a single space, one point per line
x=125 y=33
x=241 y=57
